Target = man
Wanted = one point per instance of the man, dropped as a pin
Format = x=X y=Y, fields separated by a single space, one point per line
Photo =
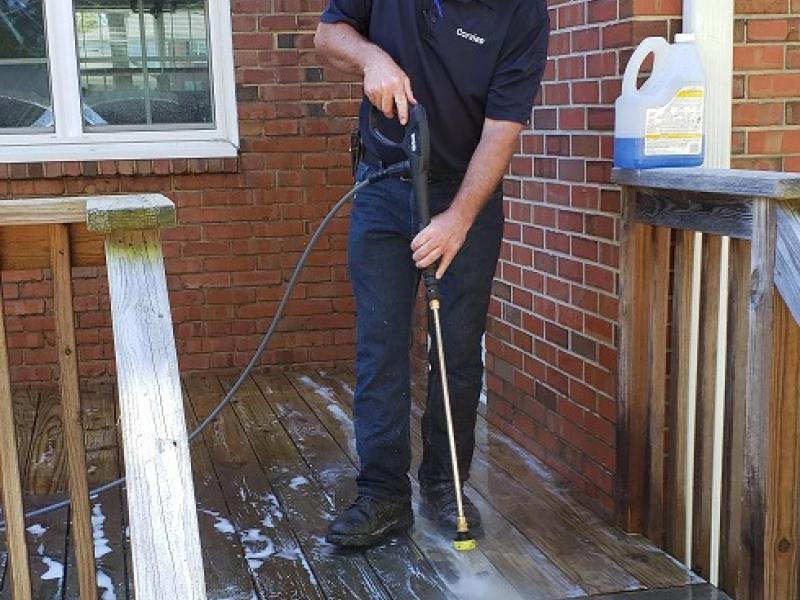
x=475 y=65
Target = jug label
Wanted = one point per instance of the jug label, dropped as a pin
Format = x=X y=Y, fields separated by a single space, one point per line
x=677 y=128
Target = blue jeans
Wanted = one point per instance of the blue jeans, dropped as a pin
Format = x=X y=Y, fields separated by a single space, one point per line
x=385 y=281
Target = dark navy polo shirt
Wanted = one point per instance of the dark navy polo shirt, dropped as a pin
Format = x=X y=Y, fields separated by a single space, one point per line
x=467 y=60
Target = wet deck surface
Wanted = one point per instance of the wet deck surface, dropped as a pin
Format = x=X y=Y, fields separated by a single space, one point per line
x=275 y=470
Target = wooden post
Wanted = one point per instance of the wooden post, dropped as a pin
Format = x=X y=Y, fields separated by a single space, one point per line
x=658 y=313
x=757 y=409
x=61 y=266
x=645 y=294
x=735 y=401
x=9 y=471
x=165 y=541
x=784 y=459
x=706 y=395
x=679 y=391
x=632 y=411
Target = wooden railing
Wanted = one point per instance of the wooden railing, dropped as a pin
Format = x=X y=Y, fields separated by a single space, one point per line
x=709 y=445
x=123 y=232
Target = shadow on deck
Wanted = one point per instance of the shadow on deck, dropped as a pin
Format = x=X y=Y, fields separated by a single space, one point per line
x=276 y=468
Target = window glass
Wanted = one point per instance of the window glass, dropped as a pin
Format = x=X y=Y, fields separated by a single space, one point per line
x=144 y=64
x=24 y=78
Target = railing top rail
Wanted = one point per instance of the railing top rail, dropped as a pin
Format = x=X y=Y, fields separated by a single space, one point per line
x=100 y=213
x=735 y=182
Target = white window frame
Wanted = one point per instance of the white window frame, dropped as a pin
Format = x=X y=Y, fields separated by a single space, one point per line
x=69 y=141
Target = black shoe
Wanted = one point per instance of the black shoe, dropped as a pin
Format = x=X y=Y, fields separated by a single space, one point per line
x=368 y=521
x=439 y=505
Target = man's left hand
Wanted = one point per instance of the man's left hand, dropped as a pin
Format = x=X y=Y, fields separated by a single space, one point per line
x=441 y=240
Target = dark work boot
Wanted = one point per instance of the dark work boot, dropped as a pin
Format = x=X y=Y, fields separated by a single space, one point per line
x=439 y=505
x=368 y=521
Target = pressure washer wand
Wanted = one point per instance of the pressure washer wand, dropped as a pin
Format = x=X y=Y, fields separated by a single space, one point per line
x=416 y=145
x=418 y=152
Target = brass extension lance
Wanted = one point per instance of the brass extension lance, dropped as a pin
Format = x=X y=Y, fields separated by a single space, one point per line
x=464 y=541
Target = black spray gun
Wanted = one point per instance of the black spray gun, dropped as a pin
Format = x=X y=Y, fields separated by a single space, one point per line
x=416 y=145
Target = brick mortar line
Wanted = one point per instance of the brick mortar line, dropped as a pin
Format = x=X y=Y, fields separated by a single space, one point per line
x=531 y=311
x=583 y=236
x=560 y=254
x=559 y=303
x=614 y=270
x=588 y=211
x=778 y=128
x=583 y=359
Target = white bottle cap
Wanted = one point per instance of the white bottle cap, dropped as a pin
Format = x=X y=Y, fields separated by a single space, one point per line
x=685 y=38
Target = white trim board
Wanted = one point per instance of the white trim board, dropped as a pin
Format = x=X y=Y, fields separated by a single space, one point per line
x=712 y=23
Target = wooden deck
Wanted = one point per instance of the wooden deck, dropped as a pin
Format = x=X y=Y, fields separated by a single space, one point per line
x=275 y=469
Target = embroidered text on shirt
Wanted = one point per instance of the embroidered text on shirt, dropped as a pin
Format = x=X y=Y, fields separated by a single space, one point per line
x=470 y=36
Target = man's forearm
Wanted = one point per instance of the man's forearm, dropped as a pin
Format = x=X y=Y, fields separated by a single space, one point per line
x=442 y=239
x=487 y=167
x=344 y=47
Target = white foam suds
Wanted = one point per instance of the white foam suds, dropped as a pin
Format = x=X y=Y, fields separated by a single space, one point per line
x=341 y=416
x=221 y=524
x=101 y=545
x=320 y=390
x=274 y=506
x=298 y=482
x=55 y=570
x=257 y=548
x=37 y=530
x=224 y=526
x=104 y=583
x=345 y=421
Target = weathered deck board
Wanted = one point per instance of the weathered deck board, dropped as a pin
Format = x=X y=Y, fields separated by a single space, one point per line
x=503 y=544
x=226 y=570
x=633 y=553
x=400 y=564
x=556 y=530
x=308 y=507
x=46 y=480
x=25 y=408
x=497 y=549
x=107 y=510
x=271 y=549
x=282 y=458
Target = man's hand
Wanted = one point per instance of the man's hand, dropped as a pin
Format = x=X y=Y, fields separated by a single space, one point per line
x=441 y=240
x=387 y=86
x=385 y=83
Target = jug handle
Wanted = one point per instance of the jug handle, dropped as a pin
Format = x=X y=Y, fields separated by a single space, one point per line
x=658 y=46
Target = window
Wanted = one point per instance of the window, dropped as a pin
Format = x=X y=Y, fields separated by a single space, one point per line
x=116 y=79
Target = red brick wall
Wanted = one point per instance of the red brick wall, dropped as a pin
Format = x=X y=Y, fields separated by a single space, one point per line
x=243 y=221
x=766 y=106
x=553 y=325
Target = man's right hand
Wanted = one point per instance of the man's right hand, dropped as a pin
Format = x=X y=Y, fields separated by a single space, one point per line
x=387 y=86
x=385 y=83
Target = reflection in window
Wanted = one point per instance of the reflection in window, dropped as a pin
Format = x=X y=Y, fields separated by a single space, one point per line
x=144 y=63
x=24 y=80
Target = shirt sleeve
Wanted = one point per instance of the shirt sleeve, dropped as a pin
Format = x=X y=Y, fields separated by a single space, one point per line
x=353 y=12
x=518 y=73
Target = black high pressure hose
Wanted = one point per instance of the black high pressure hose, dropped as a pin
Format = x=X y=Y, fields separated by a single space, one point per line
x=395 y=170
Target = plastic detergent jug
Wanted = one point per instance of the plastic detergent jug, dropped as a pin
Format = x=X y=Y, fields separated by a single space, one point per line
x=661 y=123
